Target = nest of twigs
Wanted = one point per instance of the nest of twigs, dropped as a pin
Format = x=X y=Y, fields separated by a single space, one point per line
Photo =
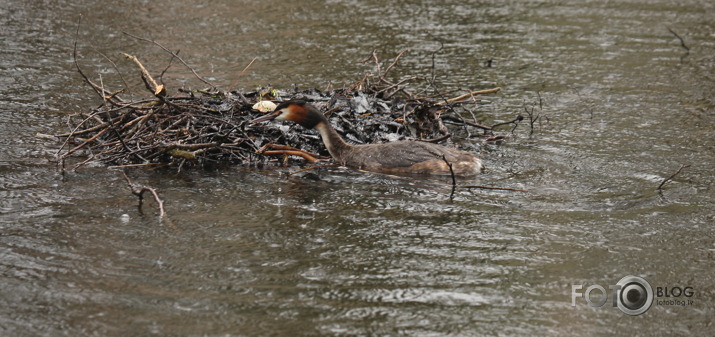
x=209 y=128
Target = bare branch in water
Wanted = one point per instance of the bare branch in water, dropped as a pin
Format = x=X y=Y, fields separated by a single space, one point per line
x=660 y=187
x=451 y=172
x=682 y=42
x=139 y=190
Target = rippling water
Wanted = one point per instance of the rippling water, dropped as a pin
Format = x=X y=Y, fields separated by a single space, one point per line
x=623 y=105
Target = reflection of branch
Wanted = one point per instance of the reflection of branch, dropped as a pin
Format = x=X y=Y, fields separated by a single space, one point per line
x=139 y=190
x=672 y=176
x=312 y=168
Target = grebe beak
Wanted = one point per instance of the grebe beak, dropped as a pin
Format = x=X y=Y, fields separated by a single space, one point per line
x=266 y=117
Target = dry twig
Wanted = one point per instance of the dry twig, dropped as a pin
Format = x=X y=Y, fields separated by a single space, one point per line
x=469 y=95
x=210 y=128
x=139 y=190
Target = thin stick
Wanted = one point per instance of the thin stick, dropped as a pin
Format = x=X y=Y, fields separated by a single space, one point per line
x=660 y=187
x=114 y=65
x=682 y=42
x=477 y=125
x=435 y=140
x=396 y=84
x=85 y=142
x=111 y=126
x=76 y=64
x=175 y=55
x=286 y=147
x=133 y=165
x=377 y=62
x=495 y=188
x=139 y=190
x=156 y=89
x=468 y=95
x=171 y=60
x=397 y=58
x=195 y=146
x=241 y=74
x=77 y=133
x=73 y=132
x=514 y=121
x=454 y=180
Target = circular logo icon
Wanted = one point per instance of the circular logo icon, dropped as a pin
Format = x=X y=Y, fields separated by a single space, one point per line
x=634 y=296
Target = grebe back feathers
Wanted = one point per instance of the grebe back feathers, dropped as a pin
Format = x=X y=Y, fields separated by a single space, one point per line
x=393 y=157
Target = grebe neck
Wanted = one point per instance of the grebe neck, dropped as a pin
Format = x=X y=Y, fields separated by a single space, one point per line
x=332 y=140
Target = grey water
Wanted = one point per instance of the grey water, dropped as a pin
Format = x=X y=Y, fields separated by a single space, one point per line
x=622 y=105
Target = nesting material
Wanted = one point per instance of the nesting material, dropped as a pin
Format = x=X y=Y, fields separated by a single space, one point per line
x=209 y=128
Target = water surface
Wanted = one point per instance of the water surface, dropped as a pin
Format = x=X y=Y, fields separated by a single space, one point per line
x=623 y=105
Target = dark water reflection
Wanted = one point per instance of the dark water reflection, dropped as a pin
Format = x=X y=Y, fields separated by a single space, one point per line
x=343 y=253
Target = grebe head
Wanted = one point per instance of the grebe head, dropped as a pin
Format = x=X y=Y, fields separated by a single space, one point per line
x=297 y=111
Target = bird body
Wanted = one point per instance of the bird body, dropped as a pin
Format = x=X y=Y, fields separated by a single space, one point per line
x=413 y=157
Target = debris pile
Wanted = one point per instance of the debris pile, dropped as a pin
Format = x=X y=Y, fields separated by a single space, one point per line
x=209 y=128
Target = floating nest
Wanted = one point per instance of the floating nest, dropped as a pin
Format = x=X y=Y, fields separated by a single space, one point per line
x=210 y=128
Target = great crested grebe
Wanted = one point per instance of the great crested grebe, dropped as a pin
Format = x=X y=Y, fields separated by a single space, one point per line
x=393 y=157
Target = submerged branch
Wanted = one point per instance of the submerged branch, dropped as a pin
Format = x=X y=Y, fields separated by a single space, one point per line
x=682 y=167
